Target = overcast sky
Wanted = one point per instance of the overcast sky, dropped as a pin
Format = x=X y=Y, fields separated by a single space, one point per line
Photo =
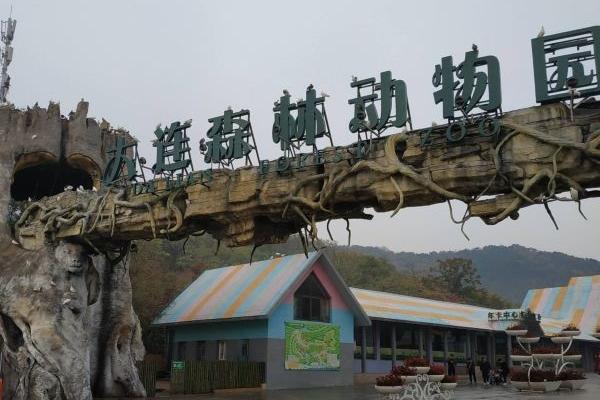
x=139 y=63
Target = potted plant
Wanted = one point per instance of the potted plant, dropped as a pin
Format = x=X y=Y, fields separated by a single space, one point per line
x=571 y=379
x=546 y=352
x=517 y=329
x=539 y=380
x=572 y=355
x=597 y=333
x=389 y=383
x=436 y=372
x=448 y=383
x=418 y=363
x=407 y=374
x=570 y=330
x=529 y=338
x=560 y=339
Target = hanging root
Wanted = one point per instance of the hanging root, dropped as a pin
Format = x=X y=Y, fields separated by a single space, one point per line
x=348 y=230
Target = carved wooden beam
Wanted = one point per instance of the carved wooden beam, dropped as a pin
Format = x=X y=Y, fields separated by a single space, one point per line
x=538 y=154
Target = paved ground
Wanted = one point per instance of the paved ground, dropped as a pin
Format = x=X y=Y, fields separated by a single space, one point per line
x=591 y=391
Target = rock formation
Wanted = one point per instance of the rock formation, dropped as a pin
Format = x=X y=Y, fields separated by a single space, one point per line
x=67 y=326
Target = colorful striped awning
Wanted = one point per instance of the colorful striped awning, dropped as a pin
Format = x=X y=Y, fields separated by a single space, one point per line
x=577 y=303
x=396 y=307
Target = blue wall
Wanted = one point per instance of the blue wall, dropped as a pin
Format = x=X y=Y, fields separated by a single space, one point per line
x=285 y=312
x=274 y=328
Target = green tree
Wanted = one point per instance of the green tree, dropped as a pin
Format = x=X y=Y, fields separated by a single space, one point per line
x=458 y=275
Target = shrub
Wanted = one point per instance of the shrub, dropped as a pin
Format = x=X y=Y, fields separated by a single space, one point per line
x=449 y=379
x=389 y=380
x=517 y=327
x=416 y=362
x=403 y=370
x=437 y=369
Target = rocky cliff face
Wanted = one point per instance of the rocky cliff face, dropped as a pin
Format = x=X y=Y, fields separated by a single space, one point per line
x=67 y=326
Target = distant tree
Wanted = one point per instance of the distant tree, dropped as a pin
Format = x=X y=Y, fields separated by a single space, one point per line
x=458 y=275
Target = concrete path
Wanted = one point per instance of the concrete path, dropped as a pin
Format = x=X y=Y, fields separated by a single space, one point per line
x=591 y=391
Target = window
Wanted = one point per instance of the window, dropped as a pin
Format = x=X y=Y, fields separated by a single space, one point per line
x=245 y=350
x=311 y=301
x=181 y=351
x=221 y=350
x=200 y=350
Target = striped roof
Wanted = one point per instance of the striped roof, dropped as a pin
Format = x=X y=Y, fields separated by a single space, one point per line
x=249 y=291
x=577 y=303
x=396 y=307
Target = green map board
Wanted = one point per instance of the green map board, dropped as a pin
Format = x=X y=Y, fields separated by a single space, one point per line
x=312 y=345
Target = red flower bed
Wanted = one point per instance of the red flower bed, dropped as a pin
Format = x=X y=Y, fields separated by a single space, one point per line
x=416 y=362
x=437 y=369
x=389 y=380
x=517 y=351
x=537 y=375
x=571 y=375
x=403 y=370
x=546 y=350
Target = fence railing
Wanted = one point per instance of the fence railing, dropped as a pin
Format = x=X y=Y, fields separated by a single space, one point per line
x=147 y=371
x=205 y=376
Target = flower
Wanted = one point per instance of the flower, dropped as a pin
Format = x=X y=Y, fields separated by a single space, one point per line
x=449 y=379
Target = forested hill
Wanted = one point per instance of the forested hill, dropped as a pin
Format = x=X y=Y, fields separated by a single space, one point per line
x=505 y=270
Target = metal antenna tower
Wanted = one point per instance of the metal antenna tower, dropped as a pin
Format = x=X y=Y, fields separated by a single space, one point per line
x=7 y=35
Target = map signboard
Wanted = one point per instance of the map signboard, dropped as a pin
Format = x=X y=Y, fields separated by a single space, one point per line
x=312 y=345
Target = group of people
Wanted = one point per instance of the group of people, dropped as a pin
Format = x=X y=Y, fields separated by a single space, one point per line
x=490 y=375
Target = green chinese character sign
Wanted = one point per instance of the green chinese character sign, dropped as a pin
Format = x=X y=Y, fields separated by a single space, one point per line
x=566 y=61
x=172 y=150
x=120 y=167
x=393 y=101
x=310 y=122
x=476 y=77
x=230 y=136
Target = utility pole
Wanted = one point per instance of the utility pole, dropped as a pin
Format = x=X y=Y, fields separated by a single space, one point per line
x=7 y=35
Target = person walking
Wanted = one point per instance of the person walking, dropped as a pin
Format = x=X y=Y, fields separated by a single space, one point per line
x=451 y=367
x=485 y=370
x=471 y=371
